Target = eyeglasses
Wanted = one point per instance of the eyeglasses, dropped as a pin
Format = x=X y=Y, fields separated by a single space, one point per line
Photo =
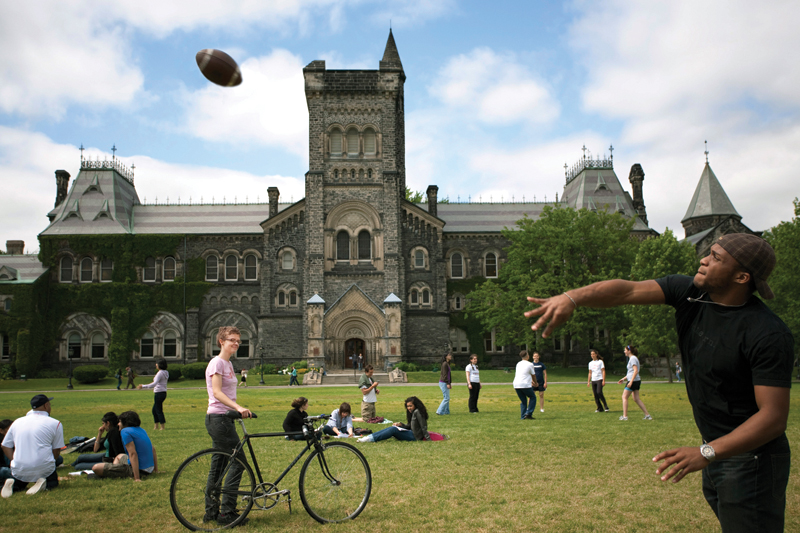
x=234 y=341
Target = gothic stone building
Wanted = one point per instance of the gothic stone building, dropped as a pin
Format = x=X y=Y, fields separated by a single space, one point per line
x=351 y=268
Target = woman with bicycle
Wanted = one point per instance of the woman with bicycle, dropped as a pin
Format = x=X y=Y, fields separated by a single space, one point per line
x=415 y=429
x=295 y=418
x=221 y=384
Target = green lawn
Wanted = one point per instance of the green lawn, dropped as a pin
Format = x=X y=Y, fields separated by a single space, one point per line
x=571 y=469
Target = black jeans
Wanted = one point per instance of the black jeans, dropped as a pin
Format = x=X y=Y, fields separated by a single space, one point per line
x=158 y=407
x=597 y=390
x=474 y=392
x=748 y=492
x=51 y=481
x=224 y=437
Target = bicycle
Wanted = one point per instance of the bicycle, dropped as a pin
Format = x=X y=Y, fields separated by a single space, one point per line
x=335 y=480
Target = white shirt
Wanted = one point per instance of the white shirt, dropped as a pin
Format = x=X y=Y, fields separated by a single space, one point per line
x=523 y=378
x=34 y=437
x=633 y=361
x=371 y=396
x=474 y=373
x=596 y=368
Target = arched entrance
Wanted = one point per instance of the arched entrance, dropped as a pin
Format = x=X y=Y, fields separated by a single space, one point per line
x=353 y=347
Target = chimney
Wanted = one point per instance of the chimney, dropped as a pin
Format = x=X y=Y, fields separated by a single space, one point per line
x=636 y=177
x=62 y=186
x=274 y=194
x=15 y=247
x=432 y=200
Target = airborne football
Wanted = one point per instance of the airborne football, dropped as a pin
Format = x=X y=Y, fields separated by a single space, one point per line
x=218 y=67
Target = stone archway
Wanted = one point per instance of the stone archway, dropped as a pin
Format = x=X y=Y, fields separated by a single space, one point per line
x=352 y=347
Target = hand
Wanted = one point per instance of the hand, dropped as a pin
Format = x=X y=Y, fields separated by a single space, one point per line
x=448 y=385
x=245 y=412
x=554 y=312
x=588 y=384
x=138 y=387
x=620 y=381
x=469 y=385
x=687 y=459
x=101 y=429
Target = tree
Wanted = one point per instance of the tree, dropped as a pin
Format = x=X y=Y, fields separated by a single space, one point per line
x=562 y=250
x=652 y=327
x=784 y=281
x=418 y=197
x=119 y=353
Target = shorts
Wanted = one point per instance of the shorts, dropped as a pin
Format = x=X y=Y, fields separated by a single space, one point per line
x=540 y=388
x=367 y=410
x=121 y=470
x=633 y=385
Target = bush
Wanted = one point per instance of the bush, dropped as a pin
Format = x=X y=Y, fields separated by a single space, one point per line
x=301 y=371
x=176 y=371
x=7 y=371
x=194 y=370
x=51 y=373
x=407 y=367
x=299 y=364
x=268 y=368
x=90 y=373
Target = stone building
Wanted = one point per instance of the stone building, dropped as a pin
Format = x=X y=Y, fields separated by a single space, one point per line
x=351 y=268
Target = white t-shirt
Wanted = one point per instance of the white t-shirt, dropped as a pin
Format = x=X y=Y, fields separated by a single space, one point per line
x=633 y=361
x=523 y=378
x=34 y=437
x=474 y=373
x=371 y=396
x=596 y=368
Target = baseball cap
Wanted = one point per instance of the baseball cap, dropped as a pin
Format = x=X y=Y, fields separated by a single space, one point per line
x=39 y=400
x=755 y=255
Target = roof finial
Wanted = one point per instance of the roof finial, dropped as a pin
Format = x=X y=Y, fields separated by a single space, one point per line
x=82 y=149
x=706 y=152
x=114 y=151
x=584 y=151
x=611 y=150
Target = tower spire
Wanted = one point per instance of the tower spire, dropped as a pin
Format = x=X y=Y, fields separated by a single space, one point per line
x=391 y=58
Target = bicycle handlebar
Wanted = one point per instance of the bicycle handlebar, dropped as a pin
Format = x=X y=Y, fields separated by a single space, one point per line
x=236 y=415
x=318 y=417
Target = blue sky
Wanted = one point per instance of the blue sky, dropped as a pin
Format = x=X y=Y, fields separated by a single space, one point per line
x=498 y=96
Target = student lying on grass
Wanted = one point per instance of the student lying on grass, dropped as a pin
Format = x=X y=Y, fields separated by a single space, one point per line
x=415 y=429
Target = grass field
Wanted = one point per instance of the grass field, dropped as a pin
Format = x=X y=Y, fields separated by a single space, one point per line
x=571 y=469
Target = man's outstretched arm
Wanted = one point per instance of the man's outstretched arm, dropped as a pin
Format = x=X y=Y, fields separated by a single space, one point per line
x=604 y=294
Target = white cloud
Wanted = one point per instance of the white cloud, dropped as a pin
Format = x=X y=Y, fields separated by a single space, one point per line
x=269 y=107
x=411 y=12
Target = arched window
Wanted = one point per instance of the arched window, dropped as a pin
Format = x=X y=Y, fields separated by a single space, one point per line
x=352 y=142
x=106 y=269
x=491 y=265
x=336 y=143
x=426 y=297
x=414 y=300
x=231 y=268
x=343 y=246
x=293 y=299
x=169 y=269
x=212 y=268
x=250 y=270
x=149 y=273
x=457 y=303
x=456 y=265
x=287 y=261
x=86 y=270
x=74 y=346
x=244 y=345
x=66 y=270
x=98 y=346
x=419 y=259
x=370 y=147
x=146 y=345
x=170 y=344
x=281 y=298
x=364 y=246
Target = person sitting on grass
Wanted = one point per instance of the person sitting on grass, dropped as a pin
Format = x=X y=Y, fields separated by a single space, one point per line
x=340 y=422
x=5 y=462
x=416 y=427
x=112 y=444
x=141 y=459
x=295 y=418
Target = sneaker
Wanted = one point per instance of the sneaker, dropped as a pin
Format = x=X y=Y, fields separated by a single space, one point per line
x=528 y=417
x=647 y=417
x=597 y=410
x=8 y=488
x=623 y=418
x=366 y=438
x=541 y=410
x=226 y=519
x=37 y=486
x=607 y=409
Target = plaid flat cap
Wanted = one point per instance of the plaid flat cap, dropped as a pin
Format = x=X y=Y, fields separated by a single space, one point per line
x=755 y=255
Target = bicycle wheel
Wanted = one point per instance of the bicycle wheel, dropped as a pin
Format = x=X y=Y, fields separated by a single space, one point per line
x=190 y=496
x=335 y=484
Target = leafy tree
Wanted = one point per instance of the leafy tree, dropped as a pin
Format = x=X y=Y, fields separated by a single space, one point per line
x=118 y=348
x=784 y=281
x=652 y=327
x=562 y=250
x=419 y=197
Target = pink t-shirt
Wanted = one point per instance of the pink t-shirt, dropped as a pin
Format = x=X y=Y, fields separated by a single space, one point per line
x=224 y=368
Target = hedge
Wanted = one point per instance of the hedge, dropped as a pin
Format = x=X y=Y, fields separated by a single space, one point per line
x=268 y=368
x=175 y=371
x=194 y=370
x=90 y=373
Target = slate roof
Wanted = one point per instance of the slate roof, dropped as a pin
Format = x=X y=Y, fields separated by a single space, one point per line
x=709 y=198
x=26 y=268
x=485 y=218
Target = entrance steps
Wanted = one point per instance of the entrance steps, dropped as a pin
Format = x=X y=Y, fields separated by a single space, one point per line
x=347 y=378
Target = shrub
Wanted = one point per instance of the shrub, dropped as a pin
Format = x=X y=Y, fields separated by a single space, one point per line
x=90 y=373
x=7 y=371
x=301 y=371
x=268 y=368
x=194 y=370
x=299 y=364
x=407 y=367
x=51 y=373
x=176 y=371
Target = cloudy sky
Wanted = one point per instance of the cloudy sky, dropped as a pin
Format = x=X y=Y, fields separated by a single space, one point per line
x=499 y=95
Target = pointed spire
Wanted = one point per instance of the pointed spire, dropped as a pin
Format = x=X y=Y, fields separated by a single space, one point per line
x=709 y=198
x=391 y=58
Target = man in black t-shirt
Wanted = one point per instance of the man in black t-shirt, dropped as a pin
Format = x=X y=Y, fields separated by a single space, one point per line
x=737 y=358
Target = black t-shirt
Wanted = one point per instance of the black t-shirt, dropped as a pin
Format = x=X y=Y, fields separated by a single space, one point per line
x=294 y=421
x=115 y=446
x=726 y=351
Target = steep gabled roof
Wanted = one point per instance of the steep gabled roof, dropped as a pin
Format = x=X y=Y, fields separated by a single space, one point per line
x=709 y=198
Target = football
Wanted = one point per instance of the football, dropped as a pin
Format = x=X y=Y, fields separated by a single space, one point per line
x=218 y=67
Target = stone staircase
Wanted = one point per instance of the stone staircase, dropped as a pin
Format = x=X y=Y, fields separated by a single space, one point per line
x=347 y=378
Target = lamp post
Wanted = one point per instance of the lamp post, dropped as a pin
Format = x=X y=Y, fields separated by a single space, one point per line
x=71 y=352
x=261 y=366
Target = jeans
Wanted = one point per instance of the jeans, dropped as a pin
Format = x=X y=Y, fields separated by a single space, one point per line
x=158 y=407
x=5 y=473
x=328 y=430
x=224 y=437
x=444 y=407
x=86 y=461
x=393 y=431
x=748 y=492
x=527 y=398
x=294 y=381
x=473 y=396
x=597 y=390
x=50 y=483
